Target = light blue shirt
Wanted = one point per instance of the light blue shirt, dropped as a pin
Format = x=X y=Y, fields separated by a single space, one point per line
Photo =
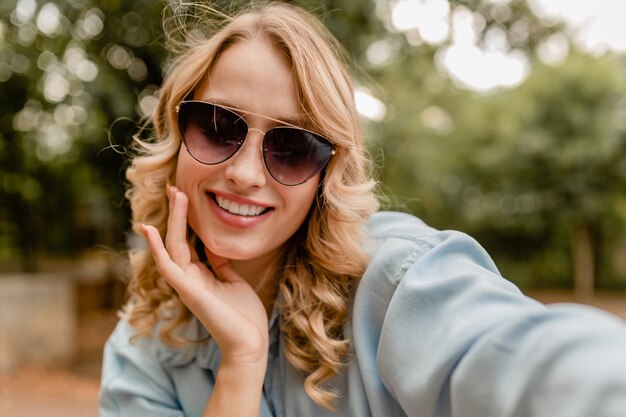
x=436 y=332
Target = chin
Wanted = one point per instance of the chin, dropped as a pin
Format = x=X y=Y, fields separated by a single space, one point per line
x=234 y=251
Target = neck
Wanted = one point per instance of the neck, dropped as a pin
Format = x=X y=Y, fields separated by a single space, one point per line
x=260 y=273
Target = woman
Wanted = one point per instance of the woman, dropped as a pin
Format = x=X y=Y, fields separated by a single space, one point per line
x=276 y=291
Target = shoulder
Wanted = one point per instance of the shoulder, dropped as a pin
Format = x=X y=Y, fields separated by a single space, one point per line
x=397 y=241
x=143 y=376
x=417 y=269
x=125 y=344
x=387 y=230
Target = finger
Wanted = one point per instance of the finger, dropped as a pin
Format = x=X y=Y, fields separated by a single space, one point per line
x=176 y=238
x=223 y=268
x=166 y=267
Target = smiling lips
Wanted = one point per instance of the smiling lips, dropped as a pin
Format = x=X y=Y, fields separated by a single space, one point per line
x=239 y=209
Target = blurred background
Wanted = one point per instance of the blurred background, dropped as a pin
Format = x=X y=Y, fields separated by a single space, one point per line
x=505 y=119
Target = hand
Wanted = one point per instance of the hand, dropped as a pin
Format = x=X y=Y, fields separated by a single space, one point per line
x=220 y=298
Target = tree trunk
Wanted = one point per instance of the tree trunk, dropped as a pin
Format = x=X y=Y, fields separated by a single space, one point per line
x=583 y=261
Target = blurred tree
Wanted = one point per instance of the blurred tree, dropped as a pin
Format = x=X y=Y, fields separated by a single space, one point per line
x=545 y=177
x=68 y=71
x=535 y=172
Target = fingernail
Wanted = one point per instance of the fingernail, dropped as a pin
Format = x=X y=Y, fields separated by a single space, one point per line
x=144 y=230
x=171 y=190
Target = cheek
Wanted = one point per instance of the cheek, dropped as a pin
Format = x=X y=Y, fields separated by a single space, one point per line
x=188 y=171
x=302 y=200
x=179 y=172
x=189 y=176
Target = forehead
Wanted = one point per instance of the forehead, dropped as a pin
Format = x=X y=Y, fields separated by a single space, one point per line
x=255 y=76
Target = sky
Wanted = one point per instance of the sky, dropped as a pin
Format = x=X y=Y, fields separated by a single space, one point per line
x=596 y=27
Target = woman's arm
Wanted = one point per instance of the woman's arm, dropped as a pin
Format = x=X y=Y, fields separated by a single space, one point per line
x=448 y=336
x=225 y=304
x=237 y=391
x=478 y=347
x=134 y=382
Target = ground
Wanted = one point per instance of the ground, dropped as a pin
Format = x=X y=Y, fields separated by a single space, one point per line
x=72 y=391
x=37 y=392
x=61 y=391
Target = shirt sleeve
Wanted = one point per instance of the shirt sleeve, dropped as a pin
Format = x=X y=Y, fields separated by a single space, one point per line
x=134 y=382
x=459 y=340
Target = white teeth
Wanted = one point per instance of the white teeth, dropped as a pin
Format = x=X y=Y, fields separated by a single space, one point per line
x=240 y=209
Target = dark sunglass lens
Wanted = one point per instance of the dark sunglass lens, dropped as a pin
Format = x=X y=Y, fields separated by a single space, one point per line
x=293 y=155
x=211 y=133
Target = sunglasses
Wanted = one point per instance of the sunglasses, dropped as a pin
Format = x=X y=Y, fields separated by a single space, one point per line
x=213 y=133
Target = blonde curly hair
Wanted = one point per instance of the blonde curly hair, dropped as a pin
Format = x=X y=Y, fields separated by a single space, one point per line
x=321 y=263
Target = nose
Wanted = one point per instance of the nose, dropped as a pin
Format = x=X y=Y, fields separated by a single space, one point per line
x=246 y=168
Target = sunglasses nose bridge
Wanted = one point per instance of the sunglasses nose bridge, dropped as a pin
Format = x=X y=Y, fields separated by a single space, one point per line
x=253 y=129
x=246 y=168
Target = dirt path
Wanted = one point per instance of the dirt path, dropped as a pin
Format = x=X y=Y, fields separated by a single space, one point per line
x=40 y=391
x=612 y=302
x=37 y=392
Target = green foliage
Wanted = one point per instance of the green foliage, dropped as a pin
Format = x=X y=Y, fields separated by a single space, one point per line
x=68 y=71
x=520 y=169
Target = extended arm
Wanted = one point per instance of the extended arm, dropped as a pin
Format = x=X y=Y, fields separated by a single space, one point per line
x=448 y=336
x=480 y=348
